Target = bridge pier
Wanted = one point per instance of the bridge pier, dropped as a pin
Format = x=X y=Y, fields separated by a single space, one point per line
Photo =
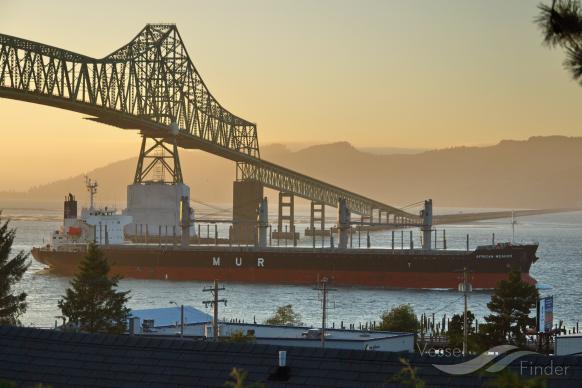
x=343 y=224
x=246 y=197
x=426 y=215
x=317 y=217
x=387 y=217
x=263 y=223
x=184 y=220
x=156 y=195
x=286 y=219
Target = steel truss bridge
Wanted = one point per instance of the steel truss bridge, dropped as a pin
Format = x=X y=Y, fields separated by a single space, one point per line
x=151 y=85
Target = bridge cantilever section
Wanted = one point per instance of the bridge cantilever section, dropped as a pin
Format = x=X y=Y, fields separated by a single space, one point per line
x=151 y=85
x=151 y=79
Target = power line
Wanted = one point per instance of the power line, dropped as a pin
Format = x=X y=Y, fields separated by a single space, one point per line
x=447 y=305
x=214 y=303
x=412 y=204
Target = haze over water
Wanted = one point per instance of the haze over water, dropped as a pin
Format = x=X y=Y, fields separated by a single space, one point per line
x=560 y=254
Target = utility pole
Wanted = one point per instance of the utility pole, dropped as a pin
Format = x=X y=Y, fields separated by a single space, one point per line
x=181 y=318
x=513 y=223
x=214 y=303
x=324 y=313
x=465 y=312
x=324 y=289
x=465 y=287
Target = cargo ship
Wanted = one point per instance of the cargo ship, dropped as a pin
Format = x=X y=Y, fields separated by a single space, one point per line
x=382 y=267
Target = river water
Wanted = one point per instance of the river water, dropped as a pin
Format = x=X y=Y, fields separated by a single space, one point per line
x=559 y=272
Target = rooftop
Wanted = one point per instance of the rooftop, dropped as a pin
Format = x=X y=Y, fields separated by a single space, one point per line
x=169 y=316
x=61 y=359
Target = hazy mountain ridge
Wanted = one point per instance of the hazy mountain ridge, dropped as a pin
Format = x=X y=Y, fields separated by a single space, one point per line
x=534 y=173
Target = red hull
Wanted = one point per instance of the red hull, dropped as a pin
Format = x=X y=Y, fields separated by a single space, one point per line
x=345 y=278
x=293 y=268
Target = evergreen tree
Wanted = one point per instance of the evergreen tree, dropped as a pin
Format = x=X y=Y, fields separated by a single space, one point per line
x=93 y=302
x=407 y=377
x=511 y=304
x=11 y=271
x=285 y=316
x=455 y=331
x=400 y=318
x=561 y=24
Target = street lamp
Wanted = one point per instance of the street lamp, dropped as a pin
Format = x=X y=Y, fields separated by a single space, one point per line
x=181 y=317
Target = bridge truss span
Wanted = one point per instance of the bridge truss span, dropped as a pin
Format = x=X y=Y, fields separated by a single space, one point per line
x=152 y=85
x=151 y=79
x=280 y=178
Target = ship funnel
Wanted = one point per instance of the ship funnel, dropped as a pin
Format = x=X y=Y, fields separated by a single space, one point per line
x=70 y=207
x=426 y=215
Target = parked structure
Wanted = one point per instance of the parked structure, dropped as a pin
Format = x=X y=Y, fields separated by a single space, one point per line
x=197 y=324
x=568 y=344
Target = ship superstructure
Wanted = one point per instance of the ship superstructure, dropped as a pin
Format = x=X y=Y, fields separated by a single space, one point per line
x=102 y=226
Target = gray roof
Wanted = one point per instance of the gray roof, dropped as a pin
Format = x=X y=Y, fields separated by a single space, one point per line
x=60 y=359
x=167 y=316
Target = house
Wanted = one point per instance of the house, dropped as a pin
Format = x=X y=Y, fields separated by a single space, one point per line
x=197 y=324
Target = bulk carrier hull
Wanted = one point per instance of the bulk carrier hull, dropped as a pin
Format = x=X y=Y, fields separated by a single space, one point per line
x=384 y=268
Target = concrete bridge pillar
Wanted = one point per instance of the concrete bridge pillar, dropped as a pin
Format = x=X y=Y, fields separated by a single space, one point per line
x=317 y=215
x=286 y=211
x=286 y=219
x=387 y=216
x=317 y=220
x=343 y=223
x=263 y=221
x=185 y=221
x=247 y=195
x=426 y=215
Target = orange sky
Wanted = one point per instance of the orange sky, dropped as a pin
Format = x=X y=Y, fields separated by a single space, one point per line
x=426 y=74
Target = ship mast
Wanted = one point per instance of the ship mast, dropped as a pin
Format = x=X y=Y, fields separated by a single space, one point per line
x=92 y=189
x=513 y=223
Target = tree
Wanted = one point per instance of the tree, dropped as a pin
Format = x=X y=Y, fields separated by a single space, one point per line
x=511 y=304
x=400 y=318
x=455 y=331
x=407 y=376
x=11 y=271
x=93 y=302
x=238 y=379
x=285 y=316
x=561 y=24
x=239 y=337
